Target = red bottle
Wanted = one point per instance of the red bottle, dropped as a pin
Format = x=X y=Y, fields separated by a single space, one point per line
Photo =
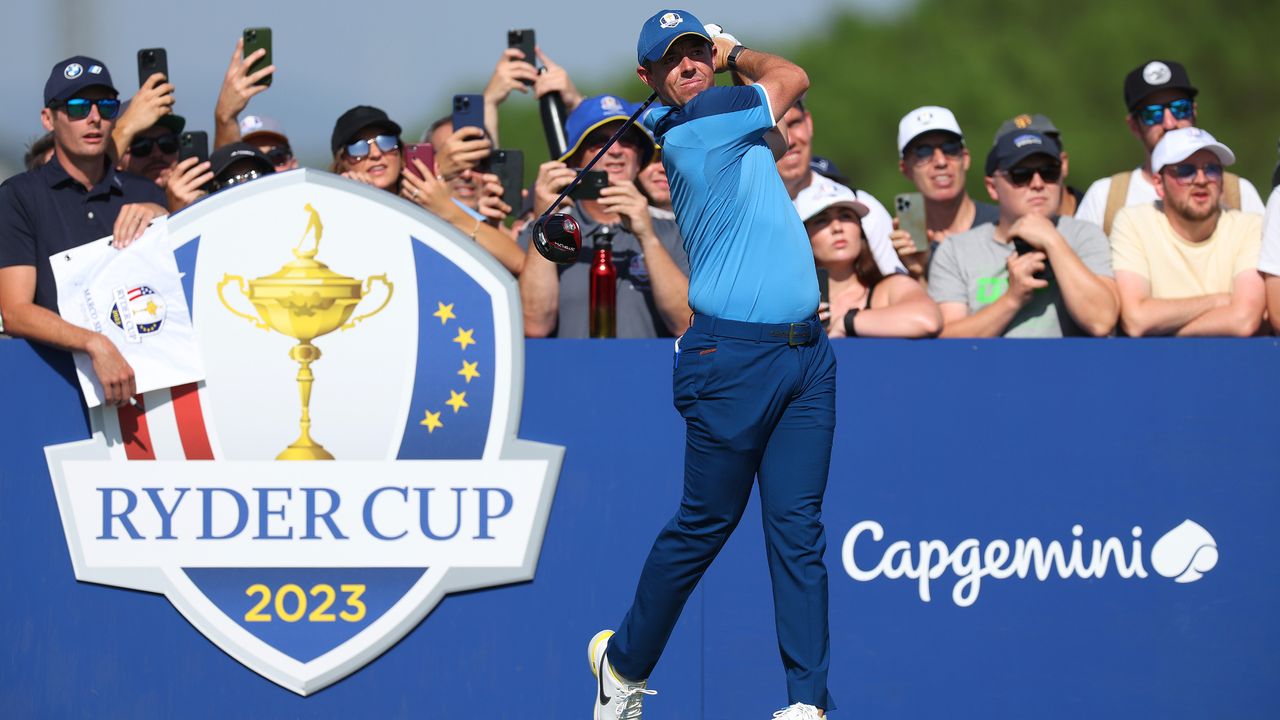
x=603 y=291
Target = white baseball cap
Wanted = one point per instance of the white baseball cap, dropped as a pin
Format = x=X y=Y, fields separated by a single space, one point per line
x=925 y=119
x=1178 y=145
x=251 y=125
x=823 y=193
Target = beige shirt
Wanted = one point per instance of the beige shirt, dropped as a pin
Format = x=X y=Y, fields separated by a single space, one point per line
x=1144 y=243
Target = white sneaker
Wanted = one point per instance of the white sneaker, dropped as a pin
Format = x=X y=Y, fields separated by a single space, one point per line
x=799 y=711
x=618 y=698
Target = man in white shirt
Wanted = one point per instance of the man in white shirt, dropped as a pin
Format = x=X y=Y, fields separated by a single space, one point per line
x=1159 y=97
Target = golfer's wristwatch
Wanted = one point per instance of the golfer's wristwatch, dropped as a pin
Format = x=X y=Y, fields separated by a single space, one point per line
x=733 y=57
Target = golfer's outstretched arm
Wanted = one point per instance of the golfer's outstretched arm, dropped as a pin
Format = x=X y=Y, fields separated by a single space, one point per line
x=782 y=79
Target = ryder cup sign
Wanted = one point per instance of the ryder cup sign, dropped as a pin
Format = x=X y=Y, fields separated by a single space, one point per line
x=350 y=458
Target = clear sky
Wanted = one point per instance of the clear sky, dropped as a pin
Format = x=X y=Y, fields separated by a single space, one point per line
x=405 y=57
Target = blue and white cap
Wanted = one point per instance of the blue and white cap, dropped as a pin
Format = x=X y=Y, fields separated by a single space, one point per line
x=596 y=112
x=74 y=74
x=1015 y=147
x=664 y=28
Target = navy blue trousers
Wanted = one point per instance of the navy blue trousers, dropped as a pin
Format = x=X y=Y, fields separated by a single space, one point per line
x=758 y=401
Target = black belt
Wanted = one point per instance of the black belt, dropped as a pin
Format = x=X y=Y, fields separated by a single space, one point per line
x=793 y=334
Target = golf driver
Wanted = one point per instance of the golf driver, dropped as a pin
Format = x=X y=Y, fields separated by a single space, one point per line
x=558 y=236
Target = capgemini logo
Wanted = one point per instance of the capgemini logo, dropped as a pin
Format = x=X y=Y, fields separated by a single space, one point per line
x=1185 y=553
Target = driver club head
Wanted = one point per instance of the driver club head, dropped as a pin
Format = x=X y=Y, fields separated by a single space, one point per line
x=558 y=238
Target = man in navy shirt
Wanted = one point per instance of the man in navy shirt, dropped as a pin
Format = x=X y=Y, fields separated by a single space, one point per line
x=754 y=376
x=77 y=197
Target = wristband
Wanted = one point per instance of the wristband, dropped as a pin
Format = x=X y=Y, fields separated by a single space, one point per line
x=733 y=57
x=849 y=329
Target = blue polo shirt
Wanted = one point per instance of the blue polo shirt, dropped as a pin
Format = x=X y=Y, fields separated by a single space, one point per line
x=44 y=212
x=749 y=254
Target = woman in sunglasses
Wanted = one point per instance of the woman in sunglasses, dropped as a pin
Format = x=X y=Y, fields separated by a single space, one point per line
x=366 y=147
x=864 y=302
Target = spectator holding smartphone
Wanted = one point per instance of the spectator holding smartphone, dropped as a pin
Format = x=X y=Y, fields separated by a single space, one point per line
x=933 y=156
x=1071 y=196
x=458 y=157
x=864 y=301
x=144 y=111
x=1187 y=266
x=653 y=283
x=366 y=148
x=239 y=85
x=153 y=152
x=75 y=198
x=1032 y=273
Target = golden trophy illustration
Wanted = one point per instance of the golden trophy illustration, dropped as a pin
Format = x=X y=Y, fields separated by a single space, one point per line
x=304 y=299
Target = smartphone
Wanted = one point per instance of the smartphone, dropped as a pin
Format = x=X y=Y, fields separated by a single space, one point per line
x=255 y=38
x=1022 y=247
x=193 y=144
x=593 y=181
x=425 y=152
x=824 y=285
x=508 y=165
x=468 y=111
x=523 y=40
x=910 y=212
x=150 y=62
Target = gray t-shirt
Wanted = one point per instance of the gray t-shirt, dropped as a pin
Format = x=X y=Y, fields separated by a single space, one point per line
x=638 y=315
x=970 y=268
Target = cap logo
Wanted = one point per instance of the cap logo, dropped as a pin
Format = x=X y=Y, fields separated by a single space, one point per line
x=1022 y=122
x=924 y=118
x=670 y=20
x=252 y=122
x=610 y=103
x=1156 y=73
x=1025 y=140
x=72 y=71
x=95 y=69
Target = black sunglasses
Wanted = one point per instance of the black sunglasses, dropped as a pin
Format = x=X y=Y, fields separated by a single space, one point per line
x=279 y=155
x=923 y=152
x=1020 y=176
x=142 y=147
x=237 y=179
x=361 y=148
x=78 y=108
x=1185 y=173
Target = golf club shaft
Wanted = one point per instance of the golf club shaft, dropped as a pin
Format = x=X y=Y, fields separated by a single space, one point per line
x=582 y=173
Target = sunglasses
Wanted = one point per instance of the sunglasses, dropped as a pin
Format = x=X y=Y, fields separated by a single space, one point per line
x=142 y=147
x=1020 y=176
x=280 y=154
x=238 y=179
x=78 y=108
x=923 y=152
x=361 y=148
x=1149 y=115
x=1185 y=173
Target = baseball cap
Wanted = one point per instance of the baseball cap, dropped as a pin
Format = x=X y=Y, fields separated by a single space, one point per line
x=664 y=28
x=252 y=125
x=1178 y=145
x=1013 y=148
x=225 y=156
x=826 y=168
x=596 y=112
x=1155 y=75
x=926 y=119
x=357 y=119
x=74 y=74
x=1033 y=123
x=823 y=193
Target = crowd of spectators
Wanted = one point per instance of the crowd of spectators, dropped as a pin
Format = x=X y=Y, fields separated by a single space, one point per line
x=1175 y=246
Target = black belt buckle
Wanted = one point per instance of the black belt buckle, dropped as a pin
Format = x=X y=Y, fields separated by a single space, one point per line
x=798 y=334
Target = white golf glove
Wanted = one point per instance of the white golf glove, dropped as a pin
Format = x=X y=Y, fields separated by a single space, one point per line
x=715 y=31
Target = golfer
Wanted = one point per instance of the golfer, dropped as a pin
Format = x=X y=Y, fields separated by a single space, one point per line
x=755 y=378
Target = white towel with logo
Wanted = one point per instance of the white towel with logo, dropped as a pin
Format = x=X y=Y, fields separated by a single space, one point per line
x=133 y=296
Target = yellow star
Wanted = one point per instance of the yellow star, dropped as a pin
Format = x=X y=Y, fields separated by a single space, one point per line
x=469 y=370
x=432 y=421
x=457 y=401
x=445 y=313
x=151 y=307
x=464 y=338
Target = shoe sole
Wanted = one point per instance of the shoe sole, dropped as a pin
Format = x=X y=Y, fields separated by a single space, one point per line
x=600 y=638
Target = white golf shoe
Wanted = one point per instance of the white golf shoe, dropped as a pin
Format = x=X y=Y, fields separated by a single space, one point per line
x=617 y=698
x=799 y=711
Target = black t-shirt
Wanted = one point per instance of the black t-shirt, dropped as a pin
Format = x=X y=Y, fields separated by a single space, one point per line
x=44 y=212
